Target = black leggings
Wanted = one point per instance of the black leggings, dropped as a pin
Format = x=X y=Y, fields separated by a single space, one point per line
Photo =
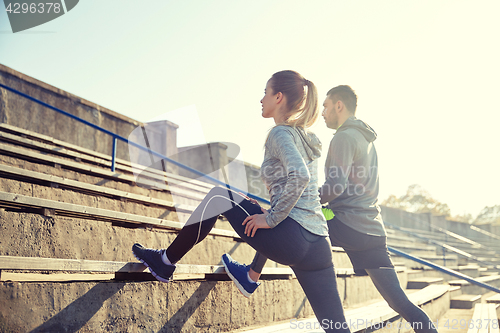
x=309 y=255
x=368 y=255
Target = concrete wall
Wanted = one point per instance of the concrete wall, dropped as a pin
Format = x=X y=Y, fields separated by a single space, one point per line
x=21 y=112
x=159 y=136
x=405 y=219
x=494 y=229
x=214 y=158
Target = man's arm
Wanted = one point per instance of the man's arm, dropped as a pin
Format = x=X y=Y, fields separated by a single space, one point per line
x=338 y=167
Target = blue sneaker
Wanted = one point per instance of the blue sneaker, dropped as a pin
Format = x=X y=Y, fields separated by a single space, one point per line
x=239 y=274
x=152 y=259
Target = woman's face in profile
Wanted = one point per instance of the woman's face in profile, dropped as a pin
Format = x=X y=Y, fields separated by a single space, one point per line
x=269 y=105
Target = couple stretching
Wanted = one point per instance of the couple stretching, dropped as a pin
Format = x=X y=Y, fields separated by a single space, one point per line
x=294 y=230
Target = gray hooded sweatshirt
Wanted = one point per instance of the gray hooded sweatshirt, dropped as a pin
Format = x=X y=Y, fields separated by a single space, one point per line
x=290 y=172
x=351 y=178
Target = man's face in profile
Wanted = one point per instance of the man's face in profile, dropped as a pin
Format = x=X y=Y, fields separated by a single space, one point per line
x=329 y=114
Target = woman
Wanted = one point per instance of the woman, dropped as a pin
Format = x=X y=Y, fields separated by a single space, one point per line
x=294 y=231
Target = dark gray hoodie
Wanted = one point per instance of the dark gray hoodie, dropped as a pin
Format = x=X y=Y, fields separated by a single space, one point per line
x=351 y=178
x=290 y=172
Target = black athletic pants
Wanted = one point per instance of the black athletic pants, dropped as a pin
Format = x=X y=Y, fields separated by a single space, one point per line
x=309 y=255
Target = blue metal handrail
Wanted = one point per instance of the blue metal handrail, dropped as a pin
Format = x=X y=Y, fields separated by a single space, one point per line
x=444 y=269
x=118 y=137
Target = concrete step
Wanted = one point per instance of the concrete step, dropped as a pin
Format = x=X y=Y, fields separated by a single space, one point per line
x=494 y=299
x=182 y=188
x=420 y=283
x=108 y=199
x=465 y=301
x=375 y=317
x=455 y=321
x=468 y=243
x=469 y=270
x=39 y=143
x=33 y=235
x=451 y=261
x=414 y=249
x=411 y=245
x=90 y=179
x=182 y=305
x=484 y=319
x=455 y=291
x=14 y=268
x=465 y=252
x=407 y=240
x=469 y=288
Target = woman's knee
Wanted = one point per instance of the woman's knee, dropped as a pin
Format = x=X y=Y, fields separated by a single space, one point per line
x=225 y=192
x=217 y=190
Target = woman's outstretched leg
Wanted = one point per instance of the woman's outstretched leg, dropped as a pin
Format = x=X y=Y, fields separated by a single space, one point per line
x=218 y=201
x=288 y=243
x=387 y=283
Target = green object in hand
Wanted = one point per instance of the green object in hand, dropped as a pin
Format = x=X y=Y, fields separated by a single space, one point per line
x=328 y=213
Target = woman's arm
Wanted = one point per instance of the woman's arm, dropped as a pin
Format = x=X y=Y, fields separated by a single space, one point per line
x=282 y=146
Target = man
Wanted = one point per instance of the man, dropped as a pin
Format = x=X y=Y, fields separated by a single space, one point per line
x=350 y=191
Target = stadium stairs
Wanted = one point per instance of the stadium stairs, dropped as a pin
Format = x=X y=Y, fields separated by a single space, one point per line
x=67 y=225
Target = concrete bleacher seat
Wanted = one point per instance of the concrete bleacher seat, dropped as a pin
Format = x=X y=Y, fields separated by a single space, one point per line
x=484 y=248
x=494 y=299
x=449 y=251
x=465 y=301
x=469 y=288
x=422 y=282
x=471 y=270
x=484 y=319
x=370 y=317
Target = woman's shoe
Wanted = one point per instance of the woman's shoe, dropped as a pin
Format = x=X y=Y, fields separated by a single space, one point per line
x=239 y=274
x=153 y=260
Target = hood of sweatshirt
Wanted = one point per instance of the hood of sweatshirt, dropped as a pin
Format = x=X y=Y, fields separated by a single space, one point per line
x=361 y=126
x=311 y=143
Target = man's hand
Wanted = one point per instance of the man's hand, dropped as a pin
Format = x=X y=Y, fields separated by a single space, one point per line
x=254 y=222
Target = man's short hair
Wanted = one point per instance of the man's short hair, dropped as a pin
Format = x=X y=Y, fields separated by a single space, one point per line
x=345 y=94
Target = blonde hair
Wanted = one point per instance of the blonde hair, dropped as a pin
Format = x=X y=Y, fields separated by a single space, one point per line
x=301 y=95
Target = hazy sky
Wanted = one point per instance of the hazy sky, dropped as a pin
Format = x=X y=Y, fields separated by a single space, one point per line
x=427 y=75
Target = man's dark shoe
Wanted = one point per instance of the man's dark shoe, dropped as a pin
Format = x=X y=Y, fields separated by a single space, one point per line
x=152 y=259
x=239 y=274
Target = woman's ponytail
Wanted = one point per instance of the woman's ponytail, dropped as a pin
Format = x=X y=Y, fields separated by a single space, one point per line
x=302 y=98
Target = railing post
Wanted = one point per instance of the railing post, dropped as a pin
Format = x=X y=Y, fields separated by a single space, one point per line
x=113 y=154
x=444 y=256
